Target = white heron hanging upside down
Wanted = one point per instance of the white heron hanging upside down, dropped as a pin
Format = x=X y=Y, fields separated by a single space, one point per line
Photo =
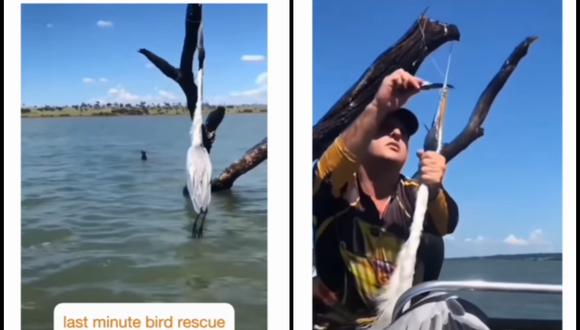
x=198 y=162
x=198 y=167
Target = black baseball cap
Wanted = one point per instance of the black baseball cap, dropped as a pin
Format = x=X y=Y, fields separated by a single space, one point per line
x=407 y=118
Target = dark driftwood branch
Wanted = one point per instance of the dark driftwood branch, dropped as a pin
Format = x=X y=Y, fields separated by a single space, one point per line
x=474 y=128
x=408 y=53
x=254 y=156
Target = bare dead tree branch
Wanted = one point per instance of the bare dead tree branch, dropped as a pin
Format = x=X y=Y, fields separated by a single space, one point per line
x=424 y=37
x=169 y=70
x=473 y=130
x=184 y=77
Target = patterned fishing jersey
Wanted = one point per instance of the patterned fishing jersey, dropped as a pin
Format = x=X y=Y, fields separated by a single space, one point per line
x=355 y=247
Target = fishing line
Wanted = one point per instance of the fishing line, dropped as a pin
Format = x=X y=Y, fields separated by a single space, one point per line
x=431 y=58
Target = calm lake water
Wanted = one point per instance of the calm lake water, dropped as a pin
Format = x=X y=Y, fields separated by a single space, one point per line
x=509 y=305
x=100 y=225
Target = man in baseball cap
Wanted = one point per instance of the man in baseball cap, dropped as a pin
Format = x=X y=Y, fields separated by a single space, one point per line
x=363 y=208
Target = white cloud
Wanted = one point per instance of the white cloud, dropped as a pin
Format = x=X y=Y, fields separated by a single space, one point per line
x=122 y=95
x=89 y=80
x=536 y=237
x=262 y=79
x=249 y=92
x=253 y=58
x=515 y=241
x=257 y=95
x=478 y=239
x=479 y=245
x=49 y=25
x=167 y=96
x=104 y=24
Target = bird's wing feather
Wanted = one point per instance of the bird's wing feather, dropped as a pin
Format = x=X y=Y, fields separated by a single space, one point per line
x=189 y=168
x=199 y=178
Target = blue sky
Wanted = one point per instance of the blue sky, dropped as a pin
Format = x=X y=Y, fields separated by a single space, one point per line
x=508 y=183
x=84 y=53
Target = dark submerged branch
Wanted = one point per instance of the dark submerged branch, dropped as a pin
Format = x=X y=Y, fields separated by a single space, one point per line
x=254 y=156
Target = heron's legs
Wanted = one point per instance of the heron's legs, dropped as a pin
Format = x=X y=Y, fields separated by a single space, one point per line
x=202 y=224
x=194 y=229
x=197 y=231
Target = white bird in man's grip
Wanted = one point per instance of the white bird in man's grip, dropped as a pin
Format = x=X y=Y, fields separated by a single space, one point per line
x=198 y=164
x=402 y=278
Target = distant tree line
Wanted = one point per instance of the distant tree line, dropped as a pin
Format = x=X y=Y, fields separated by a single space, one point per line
x=134 y=108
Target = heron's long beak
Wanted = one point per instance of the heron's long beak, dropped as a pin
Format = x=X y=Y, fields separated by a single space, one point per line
x=430 y=86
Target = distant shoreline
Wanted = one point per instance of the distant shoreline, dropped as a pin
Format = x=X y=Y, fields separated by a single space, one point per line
x=63 y=112
x=526 y=256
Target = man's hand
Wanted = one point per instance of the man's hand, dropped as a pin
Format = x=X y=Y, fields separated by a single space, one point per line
x=395 y=90
x=433 y=167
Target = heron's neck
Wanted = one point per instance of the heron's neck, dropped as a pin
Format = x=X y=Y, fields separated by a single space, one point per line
x=196 y=135
x=197 y=117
